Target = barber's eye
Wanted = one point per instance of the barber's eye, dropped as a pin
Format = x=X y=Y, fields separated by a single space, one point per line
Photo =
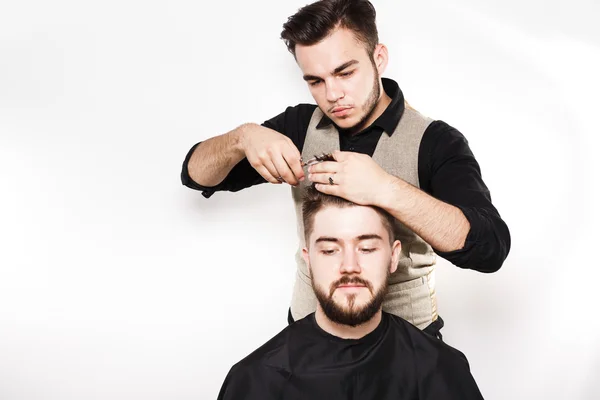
x=368 y=250
x=346 y=74
x=314 y=83
x=327 y=252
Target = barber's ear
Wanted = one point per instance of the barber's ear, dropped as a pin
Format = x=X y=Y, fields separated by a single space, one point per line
x=306 y=258
x=380 y=56
x=396 y=251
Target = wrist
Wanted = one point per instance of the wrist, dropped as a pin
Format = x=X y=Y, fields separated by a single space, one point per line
x=238 y=140
x=389 y=195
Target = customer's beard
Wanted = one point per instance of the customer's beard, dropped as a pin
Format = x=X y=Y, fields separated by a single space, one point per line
x=351 y=314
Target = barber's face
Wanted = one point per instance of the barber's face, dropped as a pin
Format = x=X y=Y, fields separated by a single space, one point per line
x=342 y=78
x=350 y=258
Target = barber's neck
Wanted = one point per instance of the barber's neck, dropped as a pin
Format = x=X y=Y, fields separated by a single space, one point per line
x=346 y=331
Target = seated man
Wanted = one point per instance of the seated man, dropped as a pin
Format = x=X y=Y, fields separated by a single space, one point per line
x=349 y=348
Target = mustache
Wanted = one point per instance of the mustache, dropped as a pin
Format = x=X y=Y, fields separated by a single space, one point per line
x=350 y=280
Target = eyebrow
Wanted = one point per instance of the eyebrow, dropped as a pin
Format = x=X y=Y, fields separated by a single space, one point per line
x=359 y=238
x=337 y=70
x=369 y=236
x=327 y=239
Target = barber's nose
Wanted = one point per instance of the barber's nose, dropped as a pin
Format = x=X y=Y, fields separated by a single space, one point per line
x=350 y=263
x=334 y=91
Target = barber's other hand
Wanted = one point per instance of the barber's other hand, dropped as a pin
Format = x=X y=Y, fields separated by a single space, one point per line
x=356 y=177
x=272 y=155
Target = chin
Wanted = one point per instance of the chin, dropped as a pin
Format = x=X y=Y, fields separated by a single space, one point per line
x=344 y=123
x=359 y=304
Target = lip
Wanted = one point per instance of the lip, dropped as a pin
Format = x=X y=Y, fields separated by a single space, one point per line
x=350 y=286
x=340 y=111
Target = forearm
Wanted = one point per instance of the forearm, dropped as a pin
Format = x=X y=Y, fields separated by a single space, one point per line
x=214 y=158
x=440 y=224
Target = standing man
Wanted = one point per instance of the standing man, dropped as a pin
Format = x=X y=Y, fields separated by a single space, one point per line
x=387 y=155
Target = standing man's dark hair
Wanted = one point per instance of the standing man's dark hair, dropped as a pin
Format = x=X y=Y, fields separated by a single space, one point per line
x=316 y=21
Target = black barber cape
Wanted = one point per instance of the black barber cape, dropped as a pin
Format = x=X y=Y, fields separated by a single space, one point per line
x=394 y=362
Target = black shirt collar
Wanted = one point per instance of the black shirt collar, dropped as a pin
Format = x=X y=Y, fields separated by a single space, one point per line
x=389 y=119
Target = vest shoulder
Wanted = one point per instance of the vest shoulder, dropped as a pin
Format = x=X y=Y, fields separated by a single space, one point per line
x=410 y=112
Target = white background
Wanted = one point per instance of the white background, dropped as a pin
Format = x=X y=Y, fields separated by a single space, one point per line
x=116 y=282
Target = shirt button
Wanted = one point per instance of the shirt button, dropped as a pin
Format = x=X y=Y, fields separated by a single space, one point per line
x=351 y=148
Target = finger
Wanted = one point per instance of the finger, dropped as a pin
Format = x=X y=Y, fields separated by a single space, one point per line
x=325 y=167
x=265 y=159
x=270 y=165
x=324 y=178
x=333 y=190
x=284 y=170
x=265 y=173
x=292 y=157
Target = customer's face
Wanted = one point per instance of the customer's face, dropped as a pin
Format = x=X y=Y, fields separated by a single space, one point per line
x=342 y=78
x=350 y=258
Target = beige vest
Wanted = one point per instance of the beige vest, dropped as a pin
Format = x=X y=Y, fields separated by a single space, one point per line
x=412 y=286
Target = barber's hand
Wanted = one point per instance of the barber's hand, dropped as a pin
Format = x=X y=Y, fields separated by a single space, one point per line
x=272 y=154
x=356 y=178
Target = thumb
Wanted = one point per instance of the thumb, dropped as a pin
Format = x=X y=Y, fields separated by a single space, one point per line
x=339 y=155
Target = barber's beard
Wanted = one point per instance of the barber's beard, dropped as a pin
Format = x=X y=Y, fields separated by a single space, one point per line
x=368 y=108
x=351 y=314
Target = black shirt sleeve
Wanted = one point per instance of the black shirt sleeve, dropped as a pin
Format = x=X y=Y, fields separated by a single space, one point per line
x=293 y=123
x=449 y=171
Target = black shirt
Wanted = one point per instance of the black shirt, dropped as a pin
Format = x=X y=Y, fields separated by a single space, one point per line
x=447 y=170
x=396 y=361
